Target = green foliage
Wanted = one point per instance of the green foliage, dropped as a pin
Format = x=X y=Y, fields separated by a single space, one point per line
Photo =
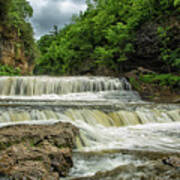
x=4 y=8
x=170 y=56
x=161 y=79
x=14 y=20
x=176 y=3
x=6 y=70
x=135 y=84
x=106 y=34
x=15 y=11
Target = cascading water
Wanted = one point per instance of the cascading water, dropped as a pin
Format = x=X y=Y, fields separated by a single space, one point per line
x=35 y=86
x=115 y=124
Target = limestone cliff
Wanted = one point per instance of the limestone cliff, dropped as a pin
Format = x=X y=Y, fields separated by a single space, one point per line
x=12 y=51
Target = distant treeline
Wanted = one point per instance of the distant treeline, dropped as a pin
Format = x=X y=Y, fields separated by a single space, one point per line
x=117 y=36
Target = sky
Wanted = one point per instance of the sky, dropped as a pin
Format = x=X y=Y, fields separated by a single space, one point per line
x=53 y=12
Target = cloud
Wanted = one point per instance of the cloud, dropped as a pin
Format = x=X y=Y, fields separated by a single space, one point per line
x=53 y=12
x=69 y=7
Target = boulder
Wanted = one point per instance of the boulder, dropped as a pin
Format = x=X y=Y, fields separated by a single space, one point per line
x=36 y=151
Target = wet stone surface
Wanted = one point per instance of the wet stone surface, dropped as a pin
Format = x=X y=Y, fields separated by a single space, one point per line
x=143 y=168
x=36 y=151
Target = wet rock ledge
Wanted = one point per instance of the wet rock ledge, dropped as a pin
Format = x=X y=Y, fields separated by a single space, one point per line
x=36 y=152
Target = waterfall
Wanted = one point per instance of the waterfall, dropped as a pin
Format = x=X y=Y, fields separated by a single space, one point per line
x=110 y=116
x=34 y=86
x=94 y=117
x=87 y=119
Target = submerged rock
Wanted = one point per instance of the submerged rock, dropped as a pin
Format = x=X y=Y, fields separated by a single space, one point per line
x=152 y=170
x=172 y=161
x=36 y=151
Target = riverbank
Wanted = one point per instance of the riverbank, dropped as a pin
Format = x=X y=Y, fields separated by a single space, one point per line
x=158 y=88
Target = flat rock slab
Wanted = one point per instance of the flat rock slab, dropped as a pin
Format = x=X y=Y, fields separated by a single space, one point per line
x=36 y=152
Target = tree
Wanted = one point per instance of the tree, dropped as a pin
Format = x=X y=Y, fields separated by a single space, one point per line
x=14 y=16
x=106 y=35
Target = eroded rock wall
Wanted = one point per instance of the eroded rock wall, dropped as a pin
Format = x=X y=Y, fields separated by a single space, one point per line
x=12 y=52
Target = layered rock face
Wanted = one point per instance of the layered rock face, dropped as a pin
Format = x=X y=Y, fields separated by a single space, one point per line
x=36 y=151
x=11 y=51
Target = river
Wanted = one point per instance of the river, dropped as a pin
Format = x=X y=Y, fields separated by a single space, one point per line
x=121 y=136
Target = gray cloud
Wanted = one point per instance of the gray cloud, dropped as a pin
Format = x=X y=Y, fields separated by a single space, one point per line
x=53 y=12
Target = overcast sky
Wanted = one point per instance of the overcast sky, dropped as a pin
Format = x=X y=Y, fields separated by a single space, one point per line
x=53 y=12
